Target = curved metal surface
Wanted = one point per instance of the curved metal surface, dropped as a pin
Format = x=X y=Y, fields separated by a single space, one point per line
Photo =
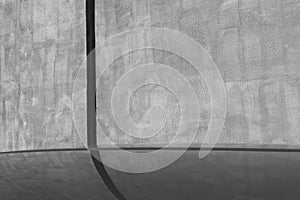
x=222 y=175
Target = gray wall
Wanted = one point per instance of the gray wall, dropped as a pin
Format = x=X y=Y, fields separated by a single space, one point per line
x=255 y=44
x=42 y=45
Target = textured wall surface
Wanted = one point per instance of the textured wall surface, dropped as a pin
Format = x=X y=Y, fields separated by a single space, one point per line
x=42 y=43
x=255 y=44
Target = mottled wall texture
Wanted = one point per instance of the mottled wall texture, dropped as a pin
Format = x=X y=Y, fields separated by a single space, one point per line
x=254 y=43
x=42 y=43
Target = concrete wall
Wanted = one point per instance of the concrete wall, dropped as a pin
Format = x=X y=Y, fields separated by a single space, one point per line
x=255 y=44
x=42 y=45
